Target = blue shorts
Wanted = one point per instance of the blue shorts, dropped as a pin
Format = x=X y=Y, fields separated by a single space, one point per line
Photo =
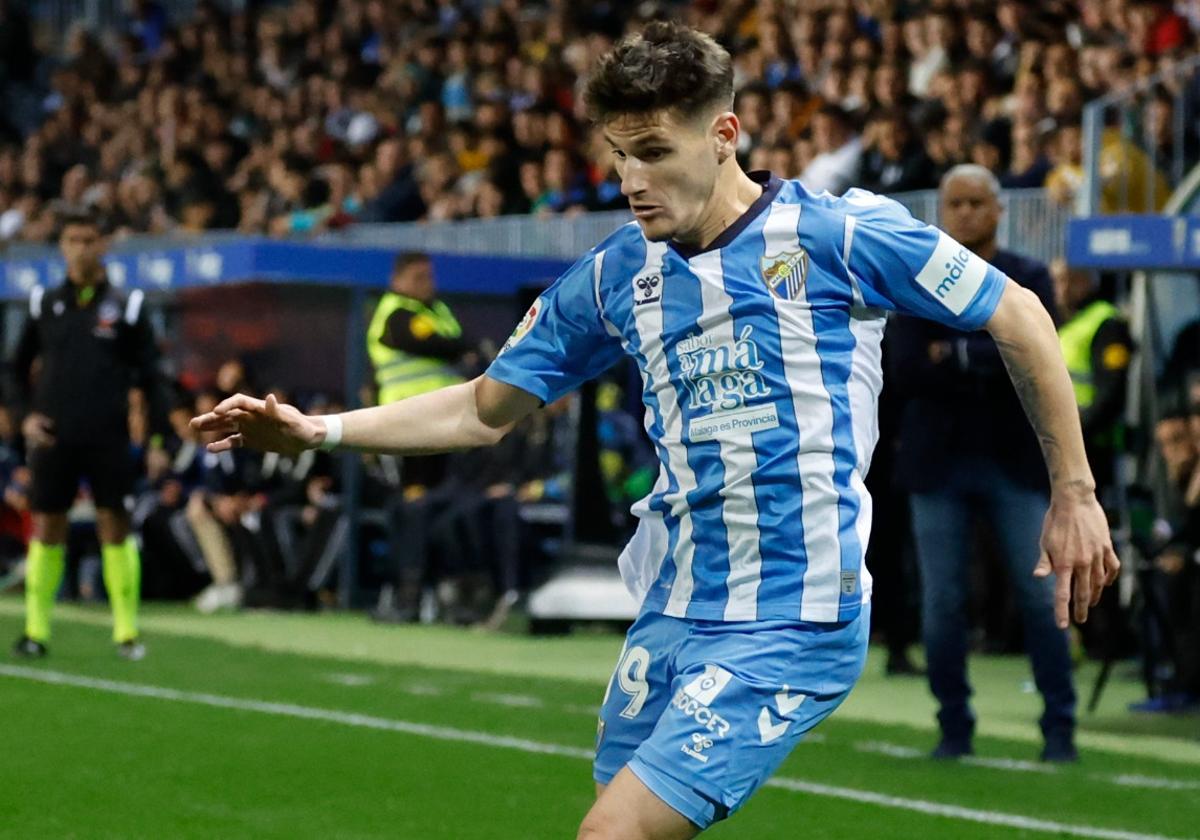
x=703 y=712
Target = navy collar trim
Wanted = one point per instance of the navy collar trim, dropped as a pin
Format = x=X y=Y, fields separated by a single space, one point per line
x=770 y=188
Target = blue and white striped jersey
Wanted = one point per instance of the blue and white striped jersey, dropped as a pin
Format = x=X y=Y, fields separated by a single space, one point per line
x=761 y=371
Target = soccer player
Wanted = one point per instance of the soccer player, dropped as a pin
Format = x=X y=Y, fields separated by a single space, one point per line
x=754 y=310
x=93 y=342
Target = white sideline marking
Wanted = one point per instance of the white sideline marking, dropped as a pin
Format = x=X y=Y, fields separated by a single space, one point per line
x=1016 y=765
x=1131 y=780
x=940 y=809
x=422 y=690
x=516 y=701
x=349 y=680
x=447 y=733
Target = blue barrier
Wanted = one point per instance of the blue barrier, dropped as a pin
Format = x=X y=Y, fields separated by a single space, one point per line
x=1134 y=242
x=264 y=260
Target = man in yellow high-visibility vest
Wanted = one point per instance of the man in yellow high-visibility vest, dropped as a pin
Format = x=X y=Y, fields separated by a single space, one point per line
x=1097 y=347
x=414 y=340
x=415 y=344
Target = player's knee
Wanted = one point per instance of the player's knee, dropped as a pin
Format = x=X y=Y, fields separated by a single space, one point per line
x=50 y=528
x=112 y=526
x=598 y=826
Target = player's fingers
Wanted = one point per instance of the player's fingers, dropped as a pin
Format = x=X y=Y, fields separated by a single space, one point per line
x=1112 y=566
x=1099 y=578
x=1062 y=599
x=271 y=405
x=225 y=444
x=222 y=424
x=1043 y=567
x=1083 y=592
x=242 y=401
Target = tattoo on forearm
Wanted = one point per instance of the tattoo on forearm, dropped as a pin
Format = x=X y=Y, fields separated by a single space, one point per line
x=1025 y=382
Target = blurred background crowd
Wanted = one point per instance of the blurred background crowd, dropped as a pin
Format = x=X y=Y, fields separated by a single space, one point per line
x=291 y=118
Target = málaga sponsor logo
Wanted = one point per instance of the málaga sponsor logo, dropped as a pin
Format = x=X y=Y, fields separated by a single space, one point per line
x=723 y=379
x=722 y=376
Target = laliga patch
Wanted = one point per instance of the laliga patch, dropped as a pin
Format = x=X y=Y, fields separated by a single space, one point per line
x=952 y=275
x=523 y=327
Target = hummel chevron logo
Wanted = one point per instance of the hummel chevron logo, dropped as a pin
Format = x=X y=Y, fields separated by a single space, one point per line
x=786 y=704
x=768 y=730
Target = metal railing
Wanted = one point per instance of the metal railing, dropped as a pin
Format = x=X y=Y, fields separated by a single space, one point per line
x=1134 y=156
x=1032 y=224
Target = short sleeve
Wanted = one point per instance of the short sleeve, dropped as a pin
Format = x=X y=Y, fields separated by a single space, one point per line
x=562 y=341
x=915 y=268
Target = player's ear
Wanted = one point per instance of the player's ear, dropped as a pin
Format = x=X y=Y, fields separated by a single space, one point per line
x=724 y=131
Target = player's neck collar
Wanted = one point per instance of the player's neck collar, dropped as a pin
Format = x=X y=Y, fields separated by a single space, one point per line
x=770 y=188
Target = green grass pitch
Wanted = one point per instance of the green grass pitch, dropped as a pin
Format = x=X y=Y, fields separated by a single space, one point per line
x=293 y=726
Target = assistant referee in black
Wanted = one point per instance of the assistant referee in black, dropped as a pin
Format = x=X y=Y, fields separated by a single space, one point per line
x=84 y=345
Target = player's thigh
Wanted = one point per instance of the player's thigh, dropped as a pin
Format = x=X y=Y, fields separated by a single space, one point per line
x=637 y=692
x=109 y=471
x=743 y=696
x=628 y=810
x=54 y=481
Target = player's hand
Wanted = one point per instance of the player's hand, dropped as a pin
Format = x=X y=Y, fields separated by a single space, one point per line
x=1077 y=549
x=266 y=425
x=38 y=429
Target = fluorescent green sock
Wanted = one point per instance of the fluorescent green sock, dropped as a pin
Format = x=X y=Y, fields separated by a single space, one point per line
x=43 y=574
x=123 y=579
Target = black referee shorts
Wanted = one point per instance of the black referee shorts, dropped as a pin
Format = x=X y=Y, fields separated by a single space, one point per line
x=58 y=469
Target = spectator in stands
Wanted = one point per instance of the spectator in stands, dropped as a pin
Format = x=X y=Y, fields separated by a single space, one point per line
x=1183 y=362
x=895 y=160
x=964 y=449
x=1174 y=584
x=362 y=81
x=1028 y=166
x=838 y=153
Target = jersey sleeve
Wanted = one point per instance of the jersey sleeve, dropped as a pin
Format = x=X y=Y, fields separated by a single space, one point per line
x=562 y=341
x=911 y=267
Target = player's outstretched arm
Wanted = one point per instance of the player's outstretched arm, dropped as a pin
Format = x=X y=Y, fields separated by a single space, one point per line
x=476 y=413
x=1076 y=544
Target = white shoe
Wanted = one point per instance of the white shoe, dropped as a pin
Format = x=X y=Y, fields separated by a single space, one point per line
x=219 y=596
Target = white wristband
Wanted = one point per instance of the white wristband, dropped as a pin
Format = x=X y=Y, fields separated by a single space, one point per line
x=333 y=431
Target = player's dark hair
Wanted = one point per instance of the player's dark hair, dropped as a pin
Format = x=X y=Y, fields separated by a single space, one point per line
x=407 y=258
x=666 y=66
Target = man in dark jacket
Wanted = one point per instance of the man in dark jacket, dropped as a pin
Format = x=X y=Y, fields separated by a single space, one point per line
x=965 y=448
x=91 y=343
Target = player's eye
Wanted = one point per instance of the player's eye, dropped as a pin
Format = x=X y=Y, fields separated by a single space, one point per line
x=654 y=154
x=620 y=155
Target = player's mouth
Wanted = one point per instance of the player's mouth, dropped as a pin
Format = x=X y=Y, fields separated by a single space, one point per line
x=646 y=211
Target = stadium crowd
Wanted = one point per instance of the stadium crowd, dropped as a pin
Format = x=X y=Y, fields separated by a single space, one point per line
x=305 y=116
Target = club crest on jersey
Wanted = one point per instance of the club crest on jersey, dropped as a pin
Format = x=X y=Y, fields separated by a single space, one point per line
x=523 y=327
x=647 y=288
x=785 y=273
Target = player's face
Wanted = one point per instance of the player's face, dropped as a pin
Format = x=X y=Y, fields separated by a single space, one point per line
x=970 y=213
x=82 y=247
x=668 y=170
